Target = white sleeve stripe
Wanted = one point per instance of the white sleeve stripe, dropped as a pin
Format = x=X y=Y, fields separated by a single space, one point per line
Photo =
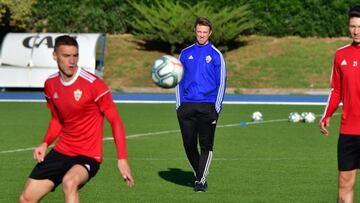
x=177 y=96
x=221 y=91
x=343 y=47
x=327 y=104
x=53 y=75
x=187 y=48
x=177 y=93
x=97 y=98
x=87 y=76
x=85 y=73
x=331 y=91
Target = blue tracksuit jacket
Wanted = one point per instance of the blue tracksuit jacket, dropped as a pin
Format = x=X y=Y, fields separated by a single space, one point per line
x=204 y=78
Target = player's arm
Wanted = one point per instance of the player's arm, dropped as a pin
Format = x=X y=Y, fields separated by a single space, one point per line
x=220 y=74
x=108 y=107
x=179 y=88
x=333 y=100
x=178 y=95
x=53 y=131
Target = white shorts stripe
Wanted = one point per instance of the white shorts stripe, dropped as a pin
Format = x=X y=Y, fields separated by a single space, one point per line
x=207 y=166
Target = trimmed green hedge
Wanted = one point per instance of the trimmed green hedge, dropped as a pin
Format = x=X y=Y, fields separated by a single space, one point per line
x=80 y=16
x=172 y=23
x=321 y=18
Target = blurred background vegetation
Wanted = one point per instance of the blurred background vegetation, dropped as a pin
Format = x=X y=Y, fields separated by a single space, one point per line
x=171 y=21
x=266 y=44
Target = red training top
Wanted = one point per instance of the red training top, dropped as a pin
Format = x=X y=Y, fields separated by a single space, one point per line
x=345 y=82
x=77 y=115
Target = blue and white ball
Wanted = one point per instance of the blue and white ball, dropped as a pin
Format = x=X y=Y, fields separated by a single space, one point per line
x=257 y=116
x=303 y=115
x=166 y=71
x=309 y=117
x=294 y=117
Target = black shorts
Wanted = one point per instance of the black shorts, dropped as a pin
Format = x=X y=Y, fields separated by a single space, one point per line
x=197 y=121
x=56 y=165
x=348 y=152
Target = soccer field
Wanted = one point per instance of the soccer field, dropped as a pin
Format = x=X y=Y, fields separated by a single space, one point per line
x=274 y=161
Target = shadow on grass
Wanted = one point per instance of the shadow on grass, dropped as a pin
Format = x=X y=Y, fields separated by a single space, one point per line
x=178 y=176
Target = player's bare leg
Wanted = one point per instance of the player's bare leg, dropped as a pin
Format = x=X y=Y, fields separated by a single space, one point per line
x=72 y=180
x=35 y=190
x=346 y=186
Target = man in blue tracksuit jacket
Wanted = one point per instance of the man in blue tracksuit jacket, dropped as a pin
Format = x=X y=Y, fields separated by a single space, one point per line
x=199 y=97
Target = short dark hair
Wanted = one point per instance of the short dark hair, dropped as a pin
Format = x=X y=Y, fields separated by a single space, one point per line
x=203 y=21
x=65 y=40
x=354 y=11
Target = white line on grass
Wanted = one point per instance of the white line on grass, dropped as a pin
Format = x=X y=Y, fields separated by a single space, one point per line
x=232 y=159
x=146 y=134
x=166 y=132
x=17 y=150
x=172 y=102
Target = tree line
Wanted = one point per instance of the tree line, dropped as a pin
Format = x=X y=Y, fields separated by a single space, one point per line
x=170 y=22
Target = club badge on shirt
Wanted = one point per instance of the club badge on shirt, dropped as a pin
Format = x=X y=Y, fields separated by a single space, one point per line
x=208 y=59
x=77 y=94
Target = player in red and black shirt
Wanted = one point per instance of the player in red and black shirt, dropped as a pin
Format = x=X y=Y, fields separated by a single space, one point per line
x=78 y=101
x=345 y=82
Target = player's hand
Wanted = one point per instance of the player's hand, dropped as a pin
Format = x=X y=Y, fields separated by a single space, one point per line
x=39 y=152
x=125 y=171
x=323 y=126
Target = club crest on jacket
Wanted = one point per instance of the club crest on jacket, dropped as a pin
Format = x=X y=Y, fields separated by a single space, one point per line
x=77 y=94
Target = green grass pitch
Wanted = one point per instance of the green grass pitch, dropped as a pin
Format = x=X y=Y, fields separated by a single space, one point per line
x=266 y=162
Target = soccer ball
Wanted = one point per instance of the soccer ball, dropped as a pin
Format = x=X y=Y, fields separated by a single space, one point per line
x=309 y=117
x=257 y=116
x=166 y=71
x=294 y=117
x=303 y=115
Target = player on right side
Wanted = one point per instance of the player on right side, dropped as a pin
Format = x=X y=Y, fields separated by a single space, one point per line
x=345 y=82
